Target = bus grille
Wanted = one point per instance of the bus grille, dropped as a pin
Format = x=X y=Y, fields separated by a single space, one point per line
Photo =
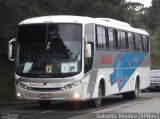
x=46 y=89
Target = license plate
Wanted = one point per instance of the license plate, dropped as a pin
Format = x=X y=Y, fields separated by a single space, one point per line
x=45 y=95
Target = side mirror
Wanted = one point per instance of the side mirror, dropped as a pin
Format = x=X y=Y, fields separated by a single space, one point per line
x=11 y=49
x=88 y=51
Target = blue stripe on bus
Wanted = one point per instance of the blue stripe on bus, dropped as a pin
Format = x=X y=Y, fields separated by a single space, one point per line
x=124 y=66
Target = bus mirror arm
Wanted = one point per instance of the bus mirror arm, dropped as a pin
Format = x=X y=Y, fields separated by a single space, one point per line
x=11 y=47
x=88 y=51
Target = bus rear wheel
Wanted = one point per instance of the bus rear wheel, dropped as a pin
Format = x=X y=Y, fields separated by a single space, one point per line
x=98 y=100
x=133 y=94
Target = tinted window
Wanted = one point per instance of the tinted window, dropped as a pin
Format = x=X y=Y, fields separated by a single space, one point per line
x=121 y=40
x=48 y=49
x=112 y=39
x=138 y=42
x=145 y=43
x=89 y=34
x=101 y=37
x=130 y=41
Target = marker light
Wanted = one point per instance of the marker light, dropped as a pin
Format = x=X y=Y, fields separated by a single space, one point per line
x=76 y=95
x=18 y=95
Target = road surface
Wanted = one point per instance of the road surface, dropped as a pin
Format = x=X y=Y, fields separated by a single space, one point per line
x=147 y=102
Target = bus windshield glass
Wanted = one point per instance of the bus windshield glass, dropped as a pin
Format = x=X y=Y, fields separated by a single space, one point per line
x=49 y=50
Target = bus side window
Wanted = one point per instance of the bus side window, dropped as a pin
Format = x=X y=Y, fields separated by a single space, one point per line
x=107 y=39
x=137 y=48
x=101 y=37
x=89 y=34
x=140 y=42
x=145 y=43
x=112 y=39
x=121 y=40
x=130 y=41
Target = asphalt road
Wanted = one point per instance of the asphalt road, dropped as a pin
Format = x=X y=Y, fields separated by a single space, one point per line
x=147 y=102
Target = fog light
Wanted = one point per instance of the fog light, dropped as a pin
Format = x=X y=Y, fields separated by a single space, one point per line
x=76 y=95
x=18 y=95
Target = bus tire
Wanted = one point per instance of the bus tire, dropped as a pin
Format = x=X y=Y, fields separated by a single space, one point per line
x=44 y=103
x=137 y=90
x=98 y=100
x=133 y=94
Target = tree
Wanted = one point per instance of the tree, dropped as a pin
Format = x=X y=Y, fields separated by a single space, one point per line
x=12 y=12
x=152 y=15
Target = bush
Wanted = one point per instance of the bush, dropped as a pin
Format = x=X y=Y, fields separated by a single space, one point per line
x=7 y=88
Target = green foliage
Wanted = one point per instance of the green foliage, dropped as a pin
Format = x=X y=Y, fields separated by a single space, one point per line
x=14 y=11
x=152 y=15
x=155 y=49
x=7 y=92
x=152 y=18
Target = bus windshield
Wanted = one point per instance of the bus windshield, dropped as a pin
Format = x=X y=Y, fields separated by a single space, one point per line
x=49 y=50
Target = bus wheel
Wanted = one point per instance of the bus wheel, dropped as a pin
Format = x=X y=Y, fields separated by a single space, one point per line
x=44 y=103
x=133 y=94
x=98 y=100
x=137 y=90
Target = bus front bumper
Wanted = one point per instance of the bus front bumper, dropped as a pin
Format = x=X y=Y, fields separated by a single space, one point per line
x=76 y=93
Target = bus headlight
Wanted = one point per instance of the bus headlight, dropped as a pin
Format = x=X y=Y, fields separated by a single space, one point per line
x=76 y=95
x=23 y=86
x=18 y=95
x=69 y=86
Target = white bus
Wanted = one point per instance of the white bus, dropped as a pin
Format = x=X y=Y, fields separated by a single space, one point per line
x=79 y=58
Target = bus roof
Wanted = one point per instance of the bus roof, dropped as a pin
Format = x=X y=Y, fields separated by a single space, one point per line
x=84 y=20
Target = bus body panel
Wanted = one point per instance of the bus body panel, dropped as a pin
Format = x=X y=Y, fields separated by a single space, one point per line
x=117 y=68
x=119 y=71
